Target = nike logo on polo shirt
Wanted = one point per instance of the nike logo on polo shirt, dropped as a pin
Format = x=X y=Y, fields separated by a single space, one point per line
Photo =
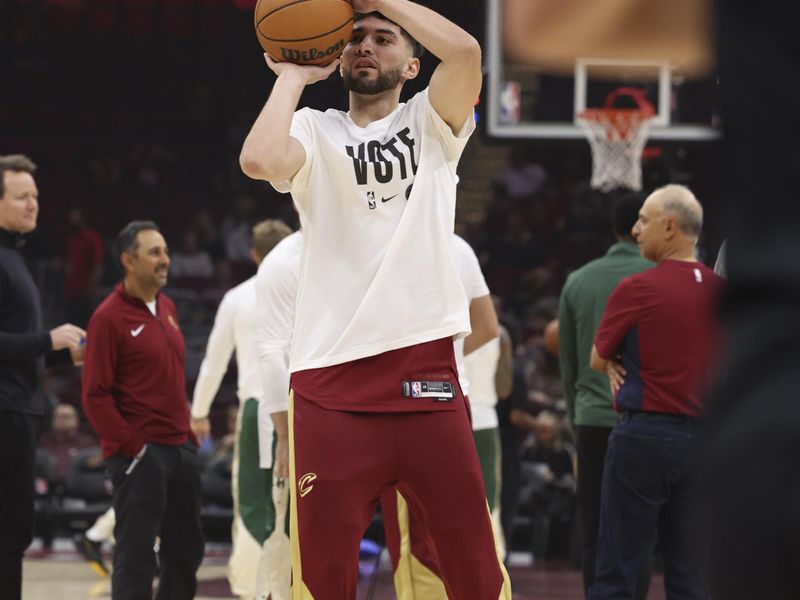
x=137 y=331
x=387 y=199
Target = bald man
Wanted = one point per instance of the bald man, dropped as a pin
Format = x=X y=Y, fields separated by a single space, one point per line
x=656 y=343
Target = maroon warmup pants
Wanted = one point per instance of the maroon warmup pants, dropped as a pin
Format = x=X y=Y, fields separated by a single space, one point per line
x=417 y=575
x=342 y=462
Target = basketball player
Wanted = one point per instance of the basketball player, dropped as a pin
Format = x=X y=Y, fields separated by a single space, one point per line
x=416 y=572
x=234 y=330
x=413 y=558
x=90 y=543
x=490 y=371
x=657 y=342
x=276 y=294
x=379 y=301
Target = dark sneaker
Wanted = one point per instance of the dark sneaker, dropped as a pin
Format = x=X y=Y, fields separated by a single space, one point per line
x=91 y=552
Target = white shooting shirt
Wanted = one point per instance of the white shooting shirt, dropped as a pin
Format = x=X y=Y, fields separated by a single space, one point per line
x=377 y=207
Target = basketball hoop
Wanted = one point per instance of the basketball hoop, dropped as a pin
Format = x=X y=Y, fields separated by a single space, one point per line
x=617 y=137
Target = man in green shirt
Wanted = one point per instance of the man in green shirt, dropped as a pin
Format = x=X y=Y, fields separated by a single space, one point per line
x=587 y=392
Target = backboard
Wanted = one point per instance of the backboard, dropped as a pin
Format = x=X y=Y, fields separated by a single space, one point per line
x=525 y=101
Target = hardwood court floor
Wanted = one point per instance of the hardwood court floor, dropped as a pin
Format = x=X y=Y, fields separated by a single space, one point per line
x=63 y=574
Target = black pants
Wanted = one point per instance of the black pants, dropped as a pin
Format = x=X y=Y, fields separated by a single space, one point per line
x=592 y=443
x=18 y=433
x=159 y=497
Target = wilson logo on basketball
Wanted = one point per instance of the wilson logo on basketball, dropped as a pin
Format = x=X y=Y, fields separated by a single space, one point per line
x=305 y=56
x=304 y=485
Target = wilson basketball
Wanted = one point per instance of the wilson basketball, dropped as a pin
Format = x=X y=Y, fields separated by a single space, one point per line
x=306 y=32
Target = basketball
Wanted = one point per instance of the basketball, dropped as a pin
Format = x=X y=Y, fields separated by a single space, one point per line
x=305 y=32
x=551 y=337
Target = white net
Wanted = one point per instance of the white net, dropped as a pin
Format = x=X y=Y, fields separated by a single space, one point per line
x=617 y=138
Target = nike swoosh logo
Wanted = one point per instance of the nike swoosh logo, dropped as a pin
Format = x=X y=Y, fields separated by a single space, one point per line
x=137 y=331
x=387 y=199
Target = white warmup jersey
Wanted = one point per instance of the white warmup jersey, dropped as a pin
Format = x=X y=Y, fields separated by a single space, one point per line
x=234 y=329
x=377 y=207
x=276 y=293
x=469 y=271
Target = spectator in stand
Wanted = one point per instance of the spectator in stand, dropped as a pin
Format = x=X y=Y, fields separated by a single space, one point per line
x=522 y=178
x=208 y=234
x=65 y=439
x=546 y=447
x=510 y=254
x=235 y=231
x=83 y=268
x=510 y=415
x=237 y=239
x=191 y=266
x=548 y=473
x=541 y=367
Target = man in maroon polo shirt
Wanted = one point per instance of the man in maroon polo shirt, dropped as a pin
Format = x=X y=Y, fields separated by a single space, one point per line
x=656 y=341
x=134 y=395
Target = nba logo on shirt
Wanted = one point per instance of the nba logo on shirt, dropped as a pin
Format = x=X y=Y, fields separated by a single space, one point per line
x=698 y=276
x=416 y=389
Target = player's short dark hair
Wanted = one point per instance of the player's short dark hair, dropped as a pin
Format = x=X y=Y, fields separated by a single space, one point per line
x=417 y=49
x=625 y=213
x=18 y=163
x=128 y=240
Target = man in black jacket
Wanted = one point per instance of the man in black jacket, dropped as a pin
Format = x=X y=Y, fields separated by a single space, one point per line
x=23 y=345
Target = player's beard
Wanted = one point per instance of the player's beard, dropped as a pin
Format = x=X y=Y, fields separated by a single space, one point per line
x=384 y=81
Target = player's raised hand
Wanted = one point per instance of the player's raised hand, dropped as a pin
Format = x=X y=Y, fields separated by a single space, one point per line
x=307 y=73
x=365 y=6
